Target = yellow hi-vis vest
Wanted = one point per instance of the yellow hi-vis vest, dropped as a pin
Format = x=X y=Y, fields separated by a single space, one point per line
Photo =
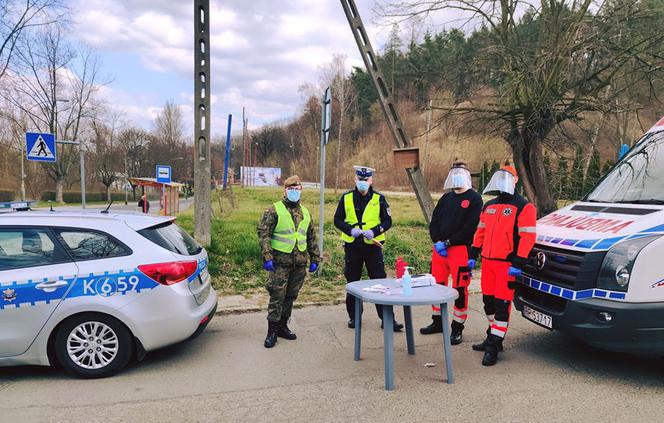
x=371 y=217
x=285 y=236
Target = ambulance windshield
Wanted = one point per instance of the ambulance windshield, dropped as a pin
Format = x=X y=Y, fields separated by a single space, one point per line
x=638 y=178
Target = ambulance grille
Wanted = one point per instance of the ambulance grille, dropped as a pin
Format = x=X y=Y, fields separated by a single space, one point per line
x=570 y=269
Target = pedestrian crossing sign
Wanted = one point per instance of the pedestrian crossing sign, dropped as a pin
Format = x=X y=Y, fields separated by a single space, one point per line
x=40 y=147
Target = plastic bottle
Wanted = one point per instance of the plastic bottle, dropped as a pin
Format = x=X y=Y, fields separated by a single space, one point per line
x=406 y=282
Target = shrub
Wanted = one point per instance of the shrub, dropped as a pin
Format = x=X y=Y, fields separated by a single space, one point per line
x=7 y=195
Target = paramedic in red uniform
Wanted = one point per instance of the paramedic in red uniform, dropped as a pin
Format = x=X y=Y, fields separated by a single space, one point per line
x=452 y=226
x=504 y=237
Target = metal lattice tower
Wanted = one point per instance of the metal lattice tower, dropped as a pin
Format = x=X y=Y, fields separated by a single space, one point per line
x=386 y=103
x=202 y=151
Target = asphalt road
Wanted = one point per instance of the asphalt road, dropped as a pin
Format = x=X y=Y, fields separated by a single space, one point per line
x=226 y=375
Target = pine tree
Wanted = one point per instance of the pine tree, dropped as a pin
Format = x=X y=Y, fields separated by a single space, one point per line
x=485 y=174
x=563 y=179
x=547 y=167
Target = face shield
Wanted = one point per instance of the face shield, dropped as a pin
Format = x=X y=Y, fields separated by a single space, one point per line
x=458 y=178
x=501 y=182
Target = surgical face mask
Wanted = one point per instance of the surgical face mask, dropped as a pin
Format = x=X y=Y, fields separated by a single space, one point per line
x=362 y=186
x=293 y=195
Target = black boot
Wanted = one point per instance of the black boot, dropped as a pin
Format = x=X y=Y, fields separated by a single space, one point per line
x=494 y=345
x=284 y=332
x=271 y=337
x=457 y=333
x=435 y=327
x=398 y=327
x=482 y=346
x=351 y=323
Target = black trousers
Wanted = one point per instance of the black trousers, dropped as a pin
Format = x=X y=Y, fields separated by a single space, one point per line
x=357 y=255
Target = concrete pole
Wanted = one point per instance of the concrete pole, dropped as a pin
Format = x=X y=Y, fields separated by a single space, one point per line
x=202 y=150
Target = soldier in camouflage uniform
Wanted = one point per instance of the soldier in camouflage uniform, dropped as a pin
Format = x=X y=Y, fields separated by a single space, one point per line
x=288 y=241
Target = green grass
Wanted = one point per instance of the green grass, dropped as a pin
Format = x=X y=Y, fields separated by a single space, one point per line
x=235 y=258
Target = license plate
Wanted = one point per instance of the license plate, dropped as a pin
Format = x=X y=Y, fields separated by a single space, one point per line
x=537 y=317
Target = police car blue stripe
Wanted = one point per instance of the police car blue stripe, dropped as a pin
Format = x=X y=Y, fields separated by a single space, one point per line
x=105 y=284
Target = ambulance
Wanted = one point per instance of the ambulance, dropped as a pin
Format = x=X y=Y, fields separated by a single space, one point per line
x=597 y=269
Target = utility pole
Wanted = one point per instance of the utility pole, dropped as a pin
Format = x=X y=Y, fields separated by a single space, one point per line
x=227 y=158
x=243 y=175
x=202 y=150
x=387 y=104
x=22 y=148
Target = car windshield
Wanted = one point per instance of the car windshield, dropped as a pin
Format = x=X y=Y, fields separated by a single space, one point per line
x=638 y=178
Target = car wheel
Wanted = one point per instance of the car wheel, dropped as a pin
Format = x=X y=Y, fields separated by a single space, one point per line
x=92 y=345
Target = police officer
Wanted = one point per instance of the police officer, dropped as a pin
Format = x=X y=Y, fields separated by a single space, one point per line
x=363 y=217
x=288 y=241
x=505 y=236
x=452 y=227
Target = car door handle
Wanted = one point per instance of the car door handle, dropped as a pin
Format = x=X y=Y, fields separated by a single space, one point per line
x=51 y=286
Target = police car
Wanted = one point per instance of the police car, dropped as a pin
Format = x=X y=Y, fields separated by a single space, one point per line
x=89 y=291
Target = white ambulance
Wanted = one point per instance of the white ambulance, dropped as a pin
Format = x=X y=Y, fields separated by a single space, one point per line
x=597 y=270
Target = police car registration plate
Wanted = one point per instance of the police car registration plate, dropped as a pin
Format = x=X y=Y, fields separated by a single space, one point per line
x=537 y=317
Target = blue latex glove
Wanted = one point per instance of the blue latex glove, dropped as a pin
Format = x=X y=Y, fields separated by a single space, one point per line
x=513 y=271
x=269 y=266
x=355 y=232
x=313 y=267
x=368 y=234
x=471 y=264
x=441 y=248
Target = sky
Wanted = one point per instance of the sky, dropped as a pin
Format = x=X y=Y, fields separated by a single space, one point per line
x=262 y=52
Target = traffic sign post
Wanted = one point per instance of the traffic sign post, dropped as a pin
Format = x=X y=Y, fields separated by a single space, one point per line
x=40 y=147
x=326 y=114
x=163 y=177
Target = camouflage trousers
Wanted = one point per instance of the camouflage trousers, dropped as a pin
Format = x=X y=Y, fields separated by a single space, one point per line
x=284 y=285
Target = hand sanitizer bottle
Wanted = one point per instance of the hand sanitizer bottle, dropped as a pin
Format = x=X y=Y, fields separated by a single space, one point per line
x=406 y=283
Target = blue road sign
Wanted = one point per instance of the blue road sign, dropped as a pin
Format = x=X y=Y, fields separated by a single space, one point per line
x=163 y=174
x=40 y=147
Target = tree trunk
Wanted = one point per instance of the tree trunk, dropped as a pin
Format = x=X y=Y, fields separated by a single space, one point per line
x=108 y=193
x=529 y=164
x=59 y=188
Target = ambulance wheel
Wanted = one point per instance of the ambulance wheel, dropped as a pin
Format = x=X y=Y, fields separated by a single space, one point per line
x=92 y=345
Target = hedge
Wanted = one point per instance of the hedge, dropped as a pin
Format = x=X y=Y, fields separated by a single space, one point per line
x=7 y=195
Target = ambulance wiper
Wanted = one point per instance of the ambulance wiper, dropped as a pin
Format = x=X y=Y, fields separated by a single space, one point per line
x=649 y=201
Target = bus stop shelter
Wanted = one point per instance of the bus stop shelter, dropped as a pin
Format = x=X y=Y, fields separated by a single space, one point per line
x=169 y=200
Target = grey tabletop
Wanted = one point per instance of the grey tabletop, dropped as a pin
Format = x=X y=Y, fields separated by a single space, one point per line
x=435 y=294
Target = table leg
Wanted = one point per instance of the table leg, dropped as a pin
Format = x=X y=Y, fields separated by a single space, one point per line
x=388 y=334
x=358 y=327
x=446 y=342
x=408 y=317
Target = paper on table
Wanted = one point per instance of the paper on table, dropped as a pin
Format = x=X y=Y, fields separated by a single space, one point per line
x=382 y=289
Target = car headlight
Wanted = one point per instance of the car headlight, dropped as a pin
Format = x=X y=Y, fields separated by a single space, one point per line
x=617 y=265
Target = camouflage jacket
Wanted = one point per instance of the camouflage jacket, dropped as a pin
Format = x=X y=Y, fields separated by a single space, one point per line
x=296 y=258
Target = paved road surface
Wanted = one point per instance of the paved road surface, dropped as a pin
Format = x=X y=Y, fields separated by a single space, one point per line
x=226 y=375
